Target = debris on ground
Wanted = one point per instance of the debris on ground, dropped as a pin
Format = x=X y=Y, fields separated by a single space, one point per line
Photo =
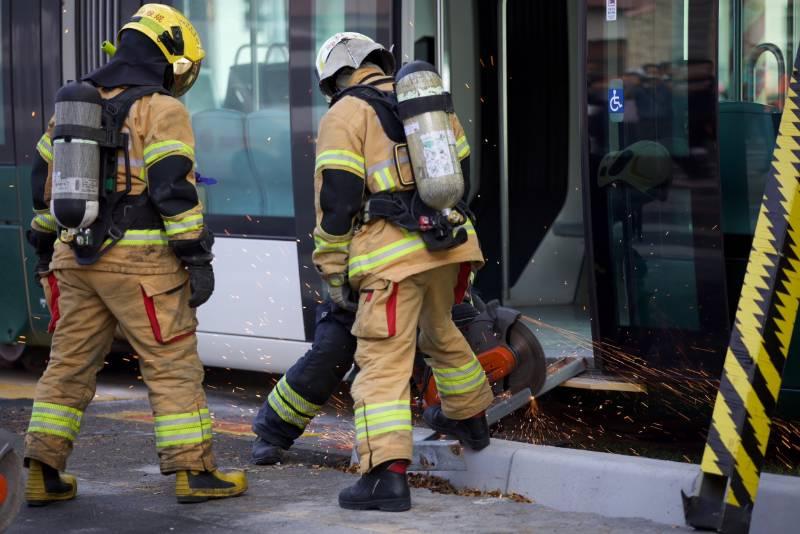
x=441 y=485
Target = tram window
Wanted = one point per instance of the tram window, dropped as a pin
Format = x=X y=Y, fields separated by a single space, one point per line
x=329 y=18
x=3 y=106
x=425 y=31
x=648 y=156
x=240 y=106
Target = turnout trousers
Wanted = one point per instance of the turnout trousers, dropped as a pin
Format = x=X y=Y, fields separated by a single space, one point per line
x=388 y=316
x=308 y=384
x=153 y=314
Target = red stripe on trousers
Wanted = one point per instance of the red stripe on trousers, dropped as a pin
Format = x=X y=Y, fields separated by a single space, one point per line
x=55 y=293
x=463 y=282
x=391 y=311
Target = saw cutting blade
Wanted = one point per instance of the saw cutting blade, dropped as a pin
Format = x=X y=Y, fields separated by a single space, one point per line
x=531 y=369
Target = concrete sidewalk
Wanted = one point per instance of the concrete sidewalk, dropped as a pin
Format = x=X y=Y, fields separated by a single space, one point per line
x=120 y=489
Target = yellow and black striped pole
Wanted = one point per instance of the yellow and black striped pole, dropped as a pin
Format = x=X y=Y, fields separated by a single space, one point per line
x=726 y=490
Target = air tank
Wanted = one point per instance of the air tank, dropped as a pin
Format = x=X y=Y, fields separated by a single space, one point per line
x=75 y=192
x=422 y=106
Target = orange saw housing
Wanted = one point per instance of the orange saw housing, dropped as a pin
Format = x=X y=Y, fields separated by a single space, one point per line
x=497 y=362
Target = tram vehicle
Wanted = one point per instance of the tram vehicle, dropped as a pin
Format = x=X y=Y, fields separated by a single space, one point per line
x=619 y=152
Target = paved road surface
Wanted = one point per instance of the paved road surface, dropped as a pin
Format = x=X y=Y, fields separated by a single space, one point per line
x=121 y=490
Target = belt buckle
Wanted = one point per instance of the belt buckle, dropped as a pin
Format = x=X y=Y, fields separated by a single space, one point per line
x=405 y=183
x=115 y=233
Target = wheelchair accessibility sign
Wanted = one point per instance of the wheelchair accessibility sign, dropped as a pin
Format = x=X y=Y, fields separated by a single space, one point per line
x=616 y=101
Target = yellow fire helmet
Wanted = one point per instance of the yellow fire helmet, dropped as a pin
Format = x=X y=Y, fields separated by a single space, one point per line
x=177 y=39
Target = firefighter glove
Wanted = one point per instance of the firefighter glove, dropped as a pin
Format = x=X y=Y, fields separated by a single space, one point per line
x=196 y=255
x=339 y=290
x=43 y=243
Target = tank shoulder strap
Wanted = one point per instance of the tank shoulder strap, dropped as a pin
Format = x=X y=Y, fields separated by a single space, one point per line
x=112 y=230
x=115 y=109
x=384 y=103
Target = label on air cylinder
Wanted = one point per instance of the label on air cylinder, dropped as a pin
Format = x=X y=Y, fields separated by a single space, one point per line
x=76 y=187
x=411 y=128
x=436 y=151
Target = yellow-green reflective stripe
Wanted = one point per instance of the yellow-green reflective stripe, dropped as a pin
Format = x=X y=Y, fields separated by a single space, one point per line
x=284 y=412
x=302 y=405
x=467 y=367
x=60 y=418
x=186 y=441
x=343 y=163
x=382 y=185
x=389 y=178
x=178 y=416
x=399 y=411
x=142 y=238
x=324 y=245
x=46 y=221
x=343 y=158
x=372 y=432
x=401 y=416
x=345 y=153
x=157 y=151
x=56 y=420
x=195 y=429
x=38 y=427
x=58 y=423
x=178 y=442
x=474 y=383
x=462 y=147
x=45 y=148
x=404 y=412
x=195 y=420
x=384 y=179
x=386 y=254
x=184 y=224
x=372 y=407
x=58 y=407
x=459 y=380
x=181 y=423
x=174 y=231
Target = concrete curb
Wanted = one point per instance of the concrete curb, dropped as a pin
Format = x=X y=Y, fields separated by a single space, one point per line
x=612 y=485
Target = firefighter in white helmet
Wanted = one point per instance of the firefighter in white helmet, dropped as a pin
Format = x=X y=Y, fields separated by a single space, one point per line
x=126 y=246
x=409 y=263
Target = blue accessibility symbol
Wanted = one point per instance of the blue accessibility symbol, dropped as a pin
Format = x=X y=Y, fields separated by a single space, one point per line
x=616 y=100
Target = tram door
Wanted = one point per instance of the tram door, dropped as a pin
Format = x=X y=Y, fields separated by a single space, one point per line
x=512 y=67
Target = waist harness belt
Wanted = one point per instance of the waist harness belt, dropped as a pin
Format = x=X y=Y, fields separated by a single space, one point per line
x=118 y=211
x=439 y=230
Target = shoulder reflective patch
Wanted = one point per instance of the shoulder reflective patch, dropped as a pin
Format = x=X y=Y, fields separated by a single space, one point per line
x=45 y=148
x=343 y=159
x=157 y=151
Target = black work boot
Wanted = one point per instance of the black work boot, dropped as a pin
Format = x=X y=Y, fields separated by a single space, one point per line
x=472 y=432
x=384 y=488
x=265 y=453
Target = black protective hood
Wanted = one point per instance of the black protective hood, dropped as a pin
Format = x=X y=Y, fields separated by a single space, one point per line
x=138 y=61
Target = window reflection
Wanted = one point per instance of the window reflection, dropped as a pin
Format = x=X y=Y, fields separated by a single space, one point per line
x=2 y=83
x=240 y=106
x=649 y=157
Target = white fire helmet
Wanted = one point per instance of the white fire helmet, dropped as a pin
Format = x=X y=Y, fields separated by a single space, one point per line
x=349 y=49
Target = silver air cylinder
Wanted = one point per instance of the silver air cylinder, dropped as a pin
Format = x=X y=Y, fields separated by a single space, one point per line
x=76 y=160
x=431 y=142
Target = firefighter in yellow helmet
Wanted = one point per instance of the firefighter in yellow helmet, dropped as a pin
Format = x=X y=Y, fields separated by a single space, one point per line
x=124 y=244
x=375 y=236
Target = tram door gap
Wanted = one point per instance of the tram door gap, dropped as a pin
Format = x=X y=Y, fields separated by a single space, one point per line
x=546 y=271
